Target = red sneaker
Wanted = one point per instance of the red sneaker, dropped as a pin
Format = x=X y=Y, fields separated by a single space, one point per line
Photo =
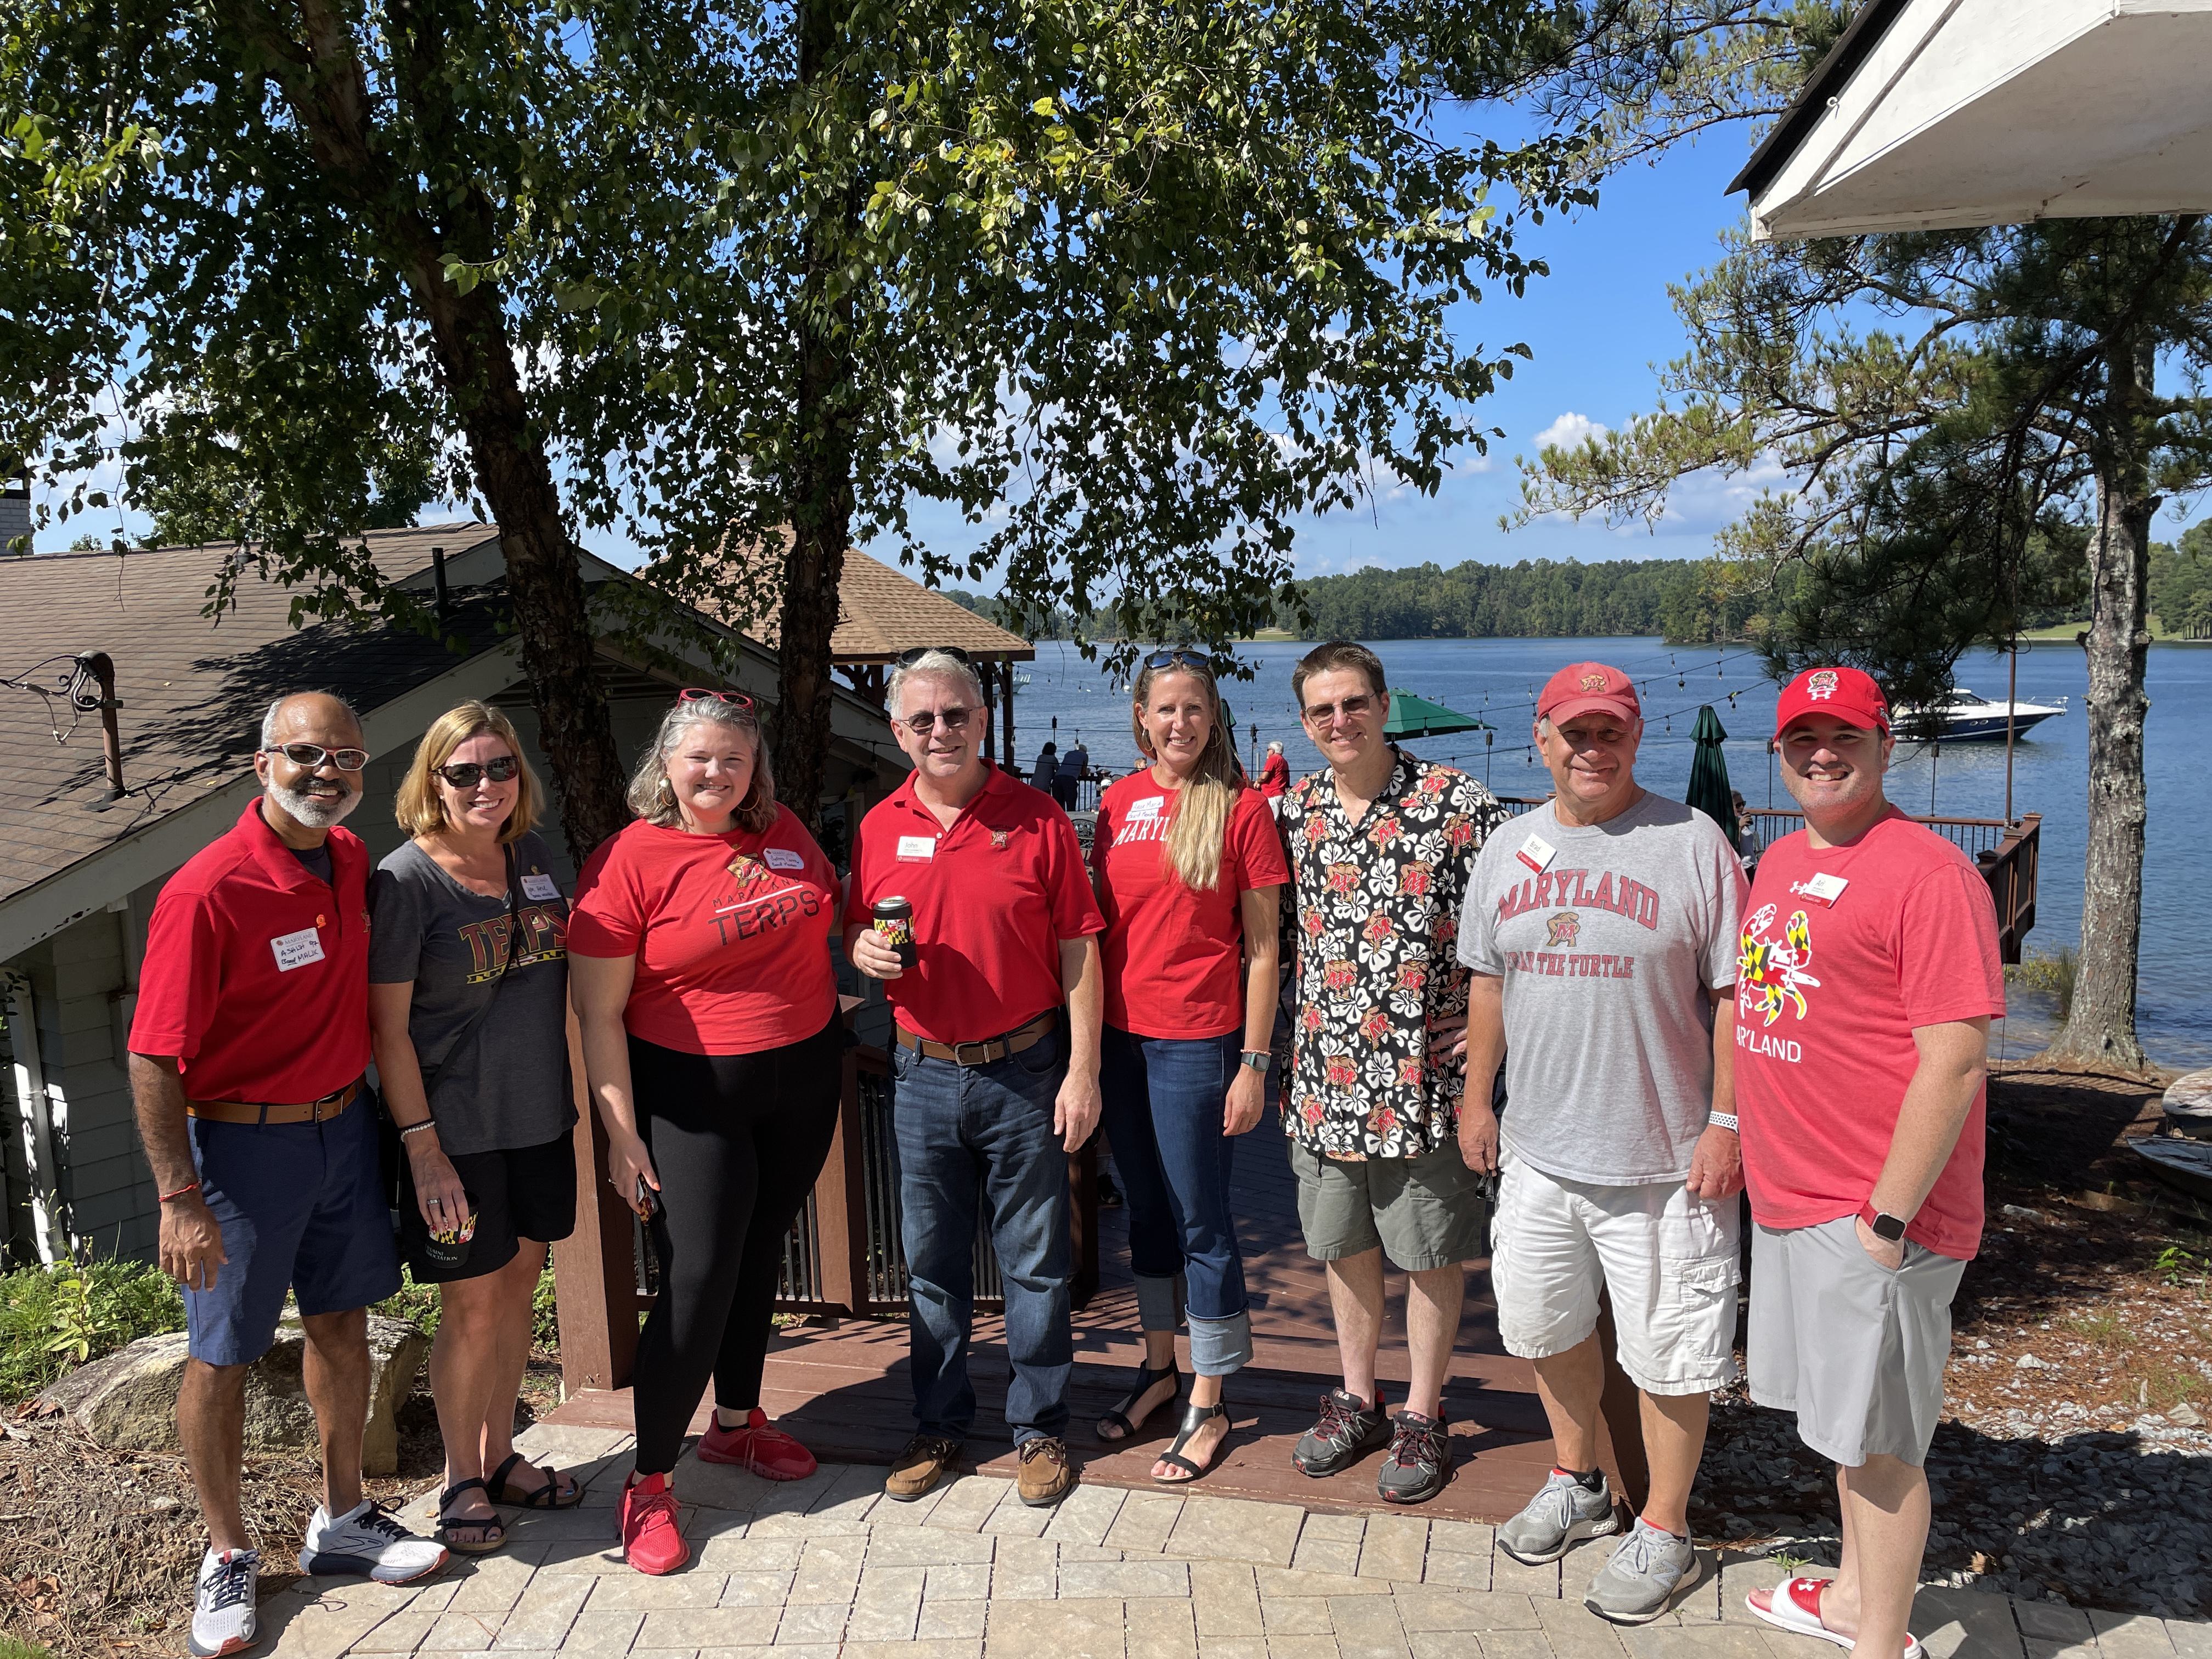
x=768 y=1452
x=652 y=1541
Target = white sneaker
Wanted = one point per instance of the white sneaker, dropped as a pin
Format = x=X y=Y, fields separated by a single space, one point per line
x=223 y=1617
x=366 y=1541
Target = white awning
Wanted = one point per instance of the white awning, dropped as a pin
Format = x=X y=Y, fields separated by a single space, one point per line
x=1934 y=113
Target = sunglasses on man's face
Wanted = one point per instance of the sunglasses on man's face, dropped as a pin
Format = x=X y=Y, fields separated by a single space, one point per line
x=466 y=775
x=1326 y=713
x=313 y=757
x=736 y=700
x=954 y=717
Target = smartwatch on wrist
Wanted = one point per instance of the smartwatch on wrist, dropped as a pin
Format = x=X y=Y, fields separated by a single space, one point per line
x=1258 y=1059
x=1887 y=1228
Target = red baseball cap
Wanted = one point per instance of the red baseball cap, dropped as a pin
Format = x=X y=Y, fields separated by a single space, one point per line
x=1849 y=694
x=1583 y=687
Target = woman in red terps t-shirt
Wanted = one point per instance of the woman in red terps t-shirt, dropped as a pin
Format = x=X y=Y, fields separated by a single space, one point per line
x=699 y=956
x=1189 y=869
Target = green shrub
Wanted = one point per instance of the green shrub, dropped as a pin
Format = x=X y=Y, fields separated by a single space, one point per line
x=2053 y=974
x=544 y=1322
x=55 y=1319
x=419 y=1303
x=12 y=1648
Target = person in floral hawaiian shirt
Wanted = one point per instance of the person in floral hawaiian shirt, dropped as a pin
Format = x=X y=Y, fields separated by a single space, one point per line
x=1381 y=846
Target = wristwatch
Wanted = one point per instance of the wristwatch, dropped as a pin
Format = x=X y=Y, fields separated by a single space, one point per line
x=1887 y=1228
x=1258 y=1059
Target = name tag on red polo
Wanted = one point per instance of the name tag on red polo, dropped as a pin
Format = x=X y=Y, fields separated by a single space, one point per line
x=297 y=949
x=915 y=848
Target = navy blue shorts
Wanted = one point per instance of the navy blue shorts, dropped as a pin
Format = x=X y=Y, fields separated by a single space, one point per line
x=302 y=1209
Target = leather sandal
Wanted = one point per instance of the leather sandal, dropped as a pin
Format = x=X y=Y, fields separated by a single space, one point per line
x=1194 y=1418
x=547 y=1497
x=491 y=1524
x=1148 y=1379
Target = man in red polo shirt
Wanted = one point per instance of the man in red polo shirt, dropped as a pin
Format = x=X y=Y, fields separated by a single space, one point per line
x=992 y=1083
x=247 y=1053
x=1867 y=977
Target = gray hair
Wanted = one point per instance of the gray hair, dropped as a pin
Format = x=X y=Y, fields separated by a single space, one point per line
x=269 y=714
x=649 y=795
x=934 y=665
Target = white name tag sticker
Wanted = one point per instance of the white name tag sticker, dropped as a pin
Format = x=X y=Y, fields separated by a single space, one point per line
x=536 y=885
x=1823 y=889
x=915 y=848
x=1149 y=808
x=782 y=858
x=1537 y=853
x=297 y=949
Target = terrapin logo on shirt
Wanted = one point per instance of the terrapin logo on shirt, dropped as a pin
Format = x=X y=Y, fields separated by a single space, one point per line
x=1562 y=929
x=1772 y=974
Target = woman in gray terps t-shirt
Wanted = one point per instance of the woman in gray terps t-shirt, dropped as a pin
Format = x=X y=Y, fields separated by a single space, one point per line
x=468 y=1009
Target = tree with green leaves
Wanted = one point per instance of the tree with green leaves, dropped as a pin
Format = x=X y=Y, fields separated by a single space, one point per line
x=1969 y=430
x=1128 y=287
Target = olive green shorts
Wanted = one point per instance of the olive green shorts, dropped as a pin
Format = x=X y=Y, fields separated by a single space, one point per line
x=1426 y=1212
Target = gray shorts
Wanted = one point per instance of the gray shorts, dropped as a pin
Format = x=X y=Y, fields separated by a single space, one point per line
x=1424 y=1212
x=1856 y=1350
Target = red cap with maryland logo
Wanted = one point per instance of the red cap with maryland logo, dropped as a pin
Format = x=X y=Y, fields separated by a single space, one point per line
x=1849 y=694
x=1582 y=688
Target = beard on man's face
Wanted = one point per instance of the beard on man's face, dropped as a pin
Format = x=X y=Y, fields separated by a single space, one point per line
x=311 y=801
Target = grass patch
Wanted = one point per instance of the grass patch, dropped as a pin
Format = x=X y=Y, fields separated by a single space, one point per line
x=2103 y=1330
x=11 y=1648
x=2052 y=973
x=55 y=1319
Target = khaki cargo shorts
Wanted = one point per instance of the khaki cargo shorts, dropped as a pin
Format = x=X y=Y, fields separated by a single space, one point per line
x=1426 y=1212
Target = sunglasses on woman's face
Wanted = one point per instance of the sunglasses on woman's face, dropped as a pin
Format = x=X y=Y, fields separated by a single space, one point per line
x=466 y=775
x=736 y=700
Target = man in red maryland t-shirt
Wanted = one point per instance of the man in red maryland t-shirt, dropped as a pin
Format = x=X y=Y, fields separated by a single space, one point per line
x=992 y=1082
x=1869 y=976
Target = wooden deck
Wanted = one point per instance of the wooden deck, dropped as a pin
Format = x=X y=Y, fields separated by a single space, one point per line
x=842 y=1387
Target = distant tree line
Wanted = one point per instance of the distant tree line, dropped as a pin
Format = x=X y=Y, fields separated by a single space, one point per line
x=1691 y=600
x=2181 y=583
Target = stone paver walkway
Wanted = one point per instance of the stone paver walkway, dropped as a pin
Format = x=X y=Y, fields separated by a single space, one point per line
x=826 y=1568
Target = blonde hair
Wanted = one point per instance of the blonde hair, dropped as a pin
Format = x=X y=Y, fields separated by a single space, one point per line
x=418 y=806
x=651 y=798
x=1201 y=826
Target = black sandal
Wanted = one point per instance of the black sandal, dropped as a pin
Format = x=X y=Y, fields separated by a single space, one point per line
x=1194 y=1418
x=1148 y=1379
x=547 y=1497
x=489 y=1523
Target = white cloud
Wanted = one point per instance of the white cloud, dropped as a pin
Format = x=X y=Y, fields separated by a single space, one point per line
x=1570 y=431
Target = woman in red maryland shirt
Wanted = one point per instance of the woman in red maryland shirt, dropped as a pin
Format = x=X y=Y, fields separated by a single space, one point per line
x=699 y=957
x=1190 y=871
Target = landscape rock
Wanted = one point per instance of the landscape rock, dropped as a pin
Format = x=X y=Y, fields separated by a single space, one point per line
x=128 y=1399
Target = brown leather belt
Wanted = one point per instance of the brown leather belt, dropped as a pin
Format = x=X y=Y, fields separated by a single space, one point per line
x=990 y=1050
x=237 y=1111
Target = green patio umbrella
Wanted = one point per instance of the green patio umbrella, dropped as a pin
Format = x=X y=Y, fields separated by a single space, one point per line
x=1709 y=789
x=1416 y=717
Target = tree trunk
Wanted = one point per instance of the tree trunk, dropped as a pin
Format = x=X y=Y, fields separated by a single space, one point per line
x=2101 y=1028
x=820 y=485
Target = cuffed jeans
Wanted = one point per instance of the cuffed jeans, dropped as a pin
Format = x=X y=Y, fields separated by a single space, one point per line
x=1162 y=1100
x=978 y=1141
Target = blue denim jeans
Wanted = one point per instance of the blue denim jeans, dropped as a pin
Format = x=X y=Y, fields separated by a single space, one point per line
x=1163 y=1098
x=977 y=1142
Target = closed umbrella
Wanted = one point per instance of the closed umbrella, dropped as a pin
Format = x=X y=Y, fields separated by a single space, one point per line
x=1709 y=789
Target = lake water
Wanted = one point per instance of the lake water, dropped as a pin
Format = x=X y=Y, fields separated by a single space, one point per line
x=1498 y=680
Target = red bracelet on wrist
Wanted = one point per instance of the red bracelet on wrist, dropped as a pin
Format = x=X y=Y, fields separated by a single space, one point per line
x=189 y=1187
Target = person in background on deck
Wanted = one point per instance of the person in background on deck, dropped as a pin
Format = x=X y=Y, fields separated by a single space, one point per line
x=699 y=962
x=246 y=1055
x=1045 y=774
x=468 y=1008
x=994 y=1073
x=1190 y=874
x=1075 y=768
x=1869 y=976
x=1274 y=773
x=1381 y=845
x=1601 y=929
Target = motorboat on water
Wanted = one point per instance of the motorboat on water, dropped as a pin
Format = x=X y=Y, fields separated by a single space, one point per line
x=1963 y=717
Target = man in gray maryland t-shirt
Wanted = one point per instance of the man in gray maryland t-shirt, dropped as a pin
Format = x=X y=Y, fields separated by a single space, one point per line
x=1601 y=929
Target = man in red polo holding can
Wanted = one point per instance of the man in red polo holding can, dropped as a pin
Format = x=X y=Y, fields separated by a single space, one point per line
x=247 y=1053
x=992 y=1083
x=1867 y=977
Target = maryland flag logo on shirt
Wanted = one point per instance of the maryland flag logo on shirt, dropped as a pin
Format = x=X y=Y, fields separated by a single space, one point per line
x=1770 y=972
x=747 y=870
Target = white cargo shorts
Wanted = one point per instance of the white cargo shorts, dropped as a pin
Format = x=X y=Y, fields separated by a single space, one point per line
x=1668 y=1260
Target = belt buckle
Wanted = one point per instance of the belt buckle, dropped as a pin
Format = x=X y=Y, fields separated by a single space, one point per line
x=959 y=1054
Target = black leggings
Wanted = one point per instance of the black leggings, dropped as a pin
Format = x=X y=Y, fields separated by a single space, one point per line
x=737 y=1141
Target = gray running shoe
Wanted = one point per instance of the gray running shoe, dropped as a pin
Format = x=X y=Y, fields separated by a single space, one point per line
x=1348 y=1429
x=1563 y=1511
x=1635 y=1587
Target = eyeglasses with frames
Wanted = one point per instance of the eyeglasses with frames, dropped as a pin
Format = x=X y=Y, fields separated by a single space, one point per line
x=1326 y=713
x=1178 y=660
x=907 y=659
x=466 y=775
x=313 y=757
x=955 y=719
x=736 y=700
